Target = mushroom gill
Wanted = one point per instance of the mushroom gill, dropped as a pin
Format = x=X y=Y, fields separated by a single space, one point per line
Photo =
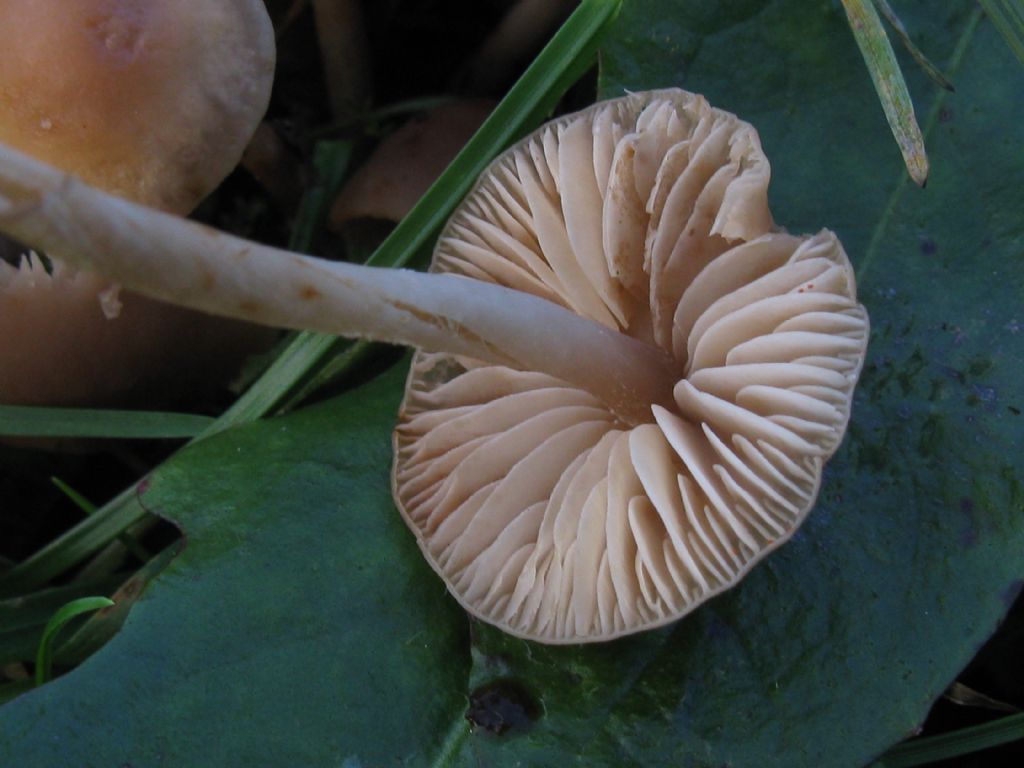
x=545 y=511
x=628 y=382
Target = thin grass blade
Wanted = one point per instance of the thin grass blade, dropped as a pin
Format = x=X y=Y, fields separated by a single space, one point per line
x=540 y=86
x=74 y=546
x=76 y=498
x=889 y=83
x=44 y=657
x=368 y=119
x=1008 y=17
x=331 y=161
x=931 y=749
x=126 y=539
x=965 y=696
x=922 y=61
x=34 y=421
x=23 y=618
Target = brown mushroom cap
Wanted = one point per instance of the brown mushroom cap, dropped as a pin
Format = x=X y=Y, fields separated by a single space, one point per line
x=152 y=100
x=404 y=165
x=58 y=348
x=550 y=515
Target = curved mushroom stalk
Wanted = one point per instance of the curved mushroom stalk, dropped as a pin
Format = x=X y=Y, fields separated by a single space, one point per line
x=629 y=380
x=179 y=262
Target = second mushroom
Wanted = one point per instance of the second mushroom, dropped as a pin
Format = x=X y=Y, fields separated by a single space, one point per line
x=629 y=378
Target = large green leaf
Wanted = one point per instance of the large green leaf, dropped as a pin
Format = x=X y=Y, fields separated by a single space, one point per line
x=300 y=628
x=836 y=646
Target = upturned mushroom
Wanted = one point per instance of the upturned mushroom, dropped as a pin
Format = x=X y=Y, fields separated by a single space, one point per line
x=152 y=100
x=628 y=379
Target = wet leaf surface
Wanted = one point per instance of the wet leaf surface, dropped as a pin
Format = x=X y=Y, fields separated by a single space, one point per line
x=834 y=649
x=299 y=626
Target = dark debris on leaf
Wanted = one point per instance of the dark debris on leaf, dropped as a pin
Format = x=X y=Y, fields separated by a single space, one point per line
x=502 y=707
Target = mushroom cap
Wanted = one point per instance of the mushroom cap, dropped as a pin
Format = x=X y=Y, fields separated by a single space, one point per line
x=152 y=100
x=545 y=512
x=57 y=347
x=404 y=165
x=134 y=96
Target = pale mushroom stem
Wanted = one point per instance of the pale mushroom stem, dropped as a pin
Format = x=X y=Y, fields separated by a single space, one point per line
x=174 y=260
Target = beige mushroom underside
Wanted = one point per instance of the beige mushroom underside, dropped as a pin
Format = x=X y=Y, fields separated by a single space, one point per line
x=546 y=514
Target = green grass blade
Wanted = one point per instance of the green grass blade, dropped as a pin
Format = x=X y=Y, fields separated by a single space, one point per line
x=922 y=61
x=542 y=82
x=76 y=498
x=931 y=749
x=373 y=117
x=127 y=540
x=306 y=350
x=35 y=421
x=571 y=50
x=44 y=657
x=347 y=356
x=1008 y=17
x=570 y=53
x=331 y=160
x=889 y=83
x=23 y=618
x=95 y=632
x=74 y=546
